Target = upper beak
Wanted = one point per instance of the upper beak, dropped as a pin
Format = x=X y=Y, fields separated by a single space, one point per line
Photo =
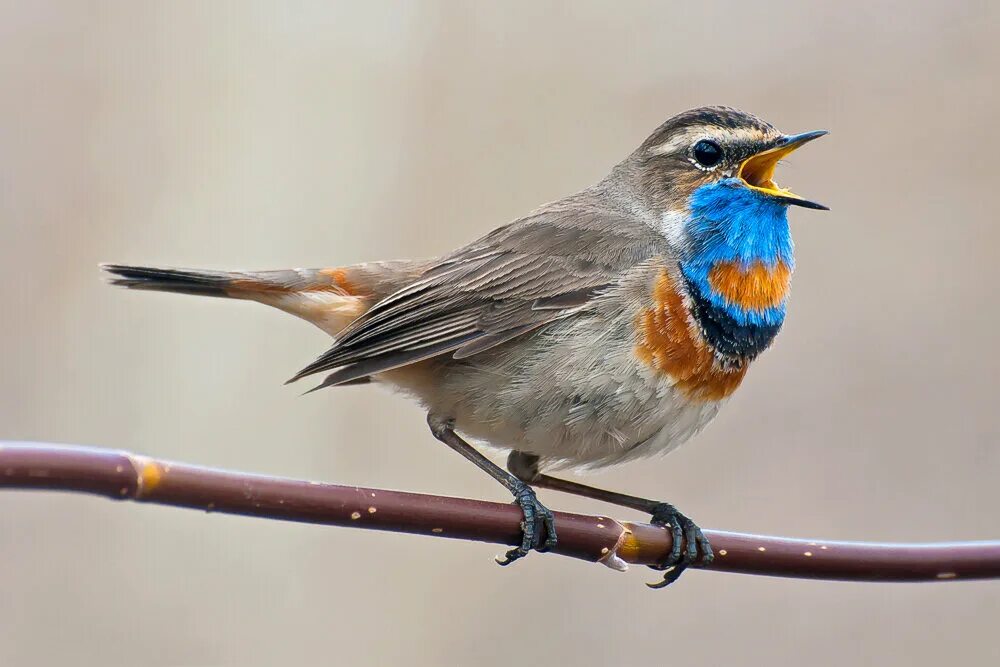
x=757 y=171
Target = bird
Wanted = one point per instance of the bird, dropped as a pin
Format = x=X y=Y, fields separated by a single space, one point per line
x=608 y=326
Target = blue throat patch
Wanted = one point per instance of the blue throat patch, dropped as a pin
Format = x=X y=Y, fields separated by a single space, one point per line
x=732 y=223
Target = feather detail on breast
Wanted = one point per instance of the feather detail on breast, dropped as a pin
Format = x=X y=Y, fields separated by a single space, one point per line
x=670 y=342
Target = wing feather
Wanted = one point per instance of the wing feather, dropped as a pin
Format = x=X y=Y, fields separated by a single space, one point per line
x=508 y=284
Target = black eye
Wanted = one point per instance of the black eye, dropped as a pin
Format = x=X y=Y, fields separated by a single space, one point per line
x=707 y=153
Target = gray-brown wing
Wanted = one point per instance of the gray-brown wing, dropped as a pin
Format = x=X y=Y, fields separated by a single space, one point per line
x=514 y=280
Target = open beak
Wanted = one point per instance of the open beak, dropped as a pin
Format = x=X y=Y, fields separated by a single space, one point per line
x=757 y=171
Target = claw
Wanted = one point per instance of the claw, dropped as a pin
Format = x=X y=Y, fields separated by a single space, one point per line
x=670 y=577
x=682 y=529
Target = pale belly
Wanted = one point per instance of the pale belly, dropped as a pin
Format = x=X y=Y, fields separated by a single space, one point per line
x=576 y=395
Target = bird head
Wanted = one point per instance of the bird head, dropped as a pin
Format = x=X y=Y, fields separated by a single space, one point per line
x=716 y=163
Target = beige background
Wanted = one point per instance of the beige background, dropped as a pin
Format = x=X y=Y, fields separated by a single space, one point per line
x=247 y=135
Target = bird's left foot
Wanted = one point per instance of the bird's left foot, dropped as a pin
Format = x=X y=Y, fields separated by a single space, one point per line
x=537 y=523
x=685 y=533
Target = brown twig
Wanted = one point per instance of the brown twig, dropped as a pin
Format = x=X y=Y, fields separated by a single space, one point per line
x=124 y=476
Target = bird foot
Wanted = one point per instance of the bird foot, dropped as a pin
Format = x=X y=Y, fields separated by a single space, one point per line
x=537 y=523
x=685 y=533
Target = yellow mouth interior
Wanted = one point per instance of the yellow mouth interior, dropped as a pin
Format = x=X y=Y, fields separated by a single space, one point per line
x=758 y=172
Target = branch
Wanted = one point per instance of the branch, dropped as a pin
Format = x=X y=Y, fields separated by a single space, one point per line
x=124 y=476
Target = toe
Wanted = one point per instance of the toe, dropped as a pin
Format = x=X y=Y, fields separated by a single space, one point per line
x=691 y=535
x=548 y=524
x=707 y=554
x=666 y=516
x=677 y=537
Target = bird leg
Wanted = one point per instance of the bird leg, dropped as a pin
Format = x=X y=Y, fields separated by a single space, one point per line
x=538 y=520
x=687 y=540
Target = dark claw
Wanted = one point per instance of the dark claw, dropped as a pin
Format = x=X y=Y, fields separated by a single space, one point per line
x=683 y=530
x=537 y=521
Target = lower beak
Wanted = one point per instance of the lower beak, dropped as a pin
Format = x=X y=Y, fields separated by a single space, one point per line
x=757 y=171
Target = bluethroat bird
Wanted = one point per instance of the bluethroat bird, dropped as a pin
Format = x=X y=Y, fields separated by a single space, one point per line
x=608 y=326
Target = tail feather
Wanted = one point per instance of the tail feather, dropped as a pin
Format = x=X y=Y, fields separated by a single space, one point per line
x=329 y=298
x=236 y=284
x=183 y=281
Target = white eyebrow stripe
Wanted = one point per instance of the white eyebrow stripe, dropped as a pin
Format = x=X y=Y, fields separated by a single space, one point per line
x=678 y=143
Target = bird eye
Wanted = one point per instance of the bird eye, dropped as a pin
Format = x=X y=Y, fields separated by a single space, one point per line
x=707 y=153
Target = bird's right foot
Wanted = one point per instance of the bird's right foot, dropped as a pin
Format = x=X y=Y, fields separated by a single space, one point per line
x=683 y=531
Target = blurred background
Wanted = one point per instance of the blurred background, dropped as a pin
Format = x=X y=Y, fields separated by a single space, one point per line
x=272 y=135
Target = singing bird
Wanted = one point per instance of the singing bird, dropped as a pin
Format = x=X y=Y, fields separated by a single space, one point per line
x=607 y=326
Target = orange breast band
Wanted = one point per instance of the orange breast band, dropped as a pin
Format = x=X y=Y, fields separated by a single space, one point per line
x=753 y=288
